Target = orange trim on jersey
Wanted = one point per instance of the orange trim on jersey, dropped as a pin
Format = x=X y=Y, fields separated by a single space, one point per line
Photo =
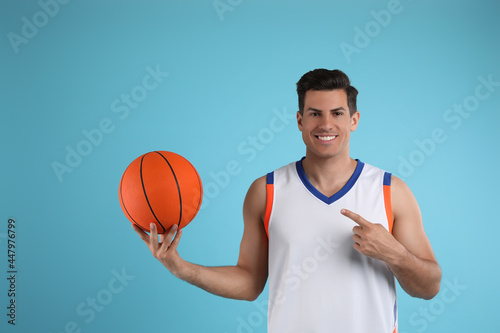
x=388 y=206
x=269 y=206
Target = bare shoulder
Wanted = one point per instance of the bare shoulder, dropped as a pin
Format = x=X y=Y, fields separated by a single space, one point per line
x=259 y=183
x=402 y=198
x=398 y=184
x=408 y=225
x=255 y=200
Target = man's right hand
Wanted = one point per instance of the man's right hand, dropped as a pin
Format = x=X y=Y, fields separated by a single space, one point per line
x=165 y=250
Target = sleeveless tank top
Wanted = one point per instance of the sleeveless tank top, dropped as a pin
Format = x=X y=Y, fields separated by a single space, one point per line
x=317 y=281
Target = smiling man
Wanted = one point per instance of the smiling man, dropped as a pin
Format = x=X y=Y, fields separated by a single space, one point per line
x=332 y=233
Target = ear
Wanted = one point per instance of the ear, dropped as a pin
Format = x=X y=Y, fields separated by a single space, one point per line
x=299 y=120
x=355 y=121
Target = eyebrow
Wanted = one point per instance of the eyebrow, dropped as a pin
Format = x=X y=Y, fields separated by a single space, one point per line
x=341 y=108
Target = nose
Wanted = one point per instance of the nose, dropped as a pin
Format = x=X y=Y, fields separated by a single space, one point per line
x=326 y=123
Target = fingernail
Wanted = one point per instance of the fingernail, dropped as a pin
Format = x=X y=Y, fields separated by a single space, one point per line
x=343 y=211
x=174 y=227
x=152 y=225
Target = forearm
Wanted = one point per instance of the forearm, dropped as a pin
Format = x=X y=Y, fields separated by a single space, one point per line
x=245 y=280
x=418 y=277
x=226 y=281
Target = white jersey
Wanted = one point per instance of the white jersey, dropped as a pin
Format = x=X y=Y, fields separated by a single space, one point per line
x=317 y=281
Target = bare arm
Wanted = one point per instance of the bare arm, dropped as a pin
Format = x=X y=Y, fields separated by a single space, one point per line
x=247 y=278
x=407 y=252
x=416 y=268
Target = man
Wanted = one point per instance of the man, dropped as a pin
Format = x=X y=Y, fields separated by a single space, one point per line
x=331 y=232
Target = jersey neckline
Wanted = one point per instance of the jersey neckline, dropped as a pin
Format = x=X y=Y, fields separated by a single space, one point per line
x=329 y=200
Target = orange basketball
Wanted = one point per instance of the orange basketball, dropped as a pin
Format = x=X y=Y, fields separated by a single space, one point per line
x=160 y=187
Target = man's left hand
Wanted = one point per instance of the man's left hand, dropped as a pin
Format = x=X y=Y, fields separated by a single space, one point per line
x=373 y=239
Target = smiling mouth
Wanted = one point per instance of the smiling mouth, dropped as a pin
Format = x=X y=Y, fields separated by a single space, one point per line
x=326 y=137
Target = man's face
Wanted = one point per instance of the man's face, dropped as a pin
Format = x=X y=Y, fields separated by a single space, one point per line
x=326 y=124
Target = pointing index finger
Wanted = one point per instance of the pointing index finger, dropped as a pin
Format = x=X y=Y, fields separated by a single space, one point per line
x=355 y=217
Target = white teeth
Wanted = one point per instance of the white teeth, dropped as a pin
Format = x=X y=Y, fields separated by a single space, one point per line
x=327 y=138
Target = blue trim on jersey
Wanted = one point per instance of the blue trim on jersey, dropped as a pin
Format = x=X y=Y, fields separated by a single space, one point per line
x=270 y=178
x=329 y=200
x=387 y=178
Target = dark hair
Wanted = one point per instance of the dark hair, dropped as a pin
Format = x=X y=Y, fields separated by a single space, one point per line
x=324 y=79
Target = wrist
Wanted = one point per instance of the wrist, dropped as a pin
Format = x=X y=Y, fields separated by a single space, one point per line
x=399 y=257
x=181 y=269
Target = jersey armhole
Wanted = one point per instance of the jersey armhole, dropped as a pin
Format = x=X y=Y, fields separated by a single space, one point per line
x=269 y=200
x=387 y=200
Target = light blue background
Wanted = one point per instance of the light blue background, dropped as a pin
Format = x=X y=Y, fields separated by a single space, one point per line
x=229 y=73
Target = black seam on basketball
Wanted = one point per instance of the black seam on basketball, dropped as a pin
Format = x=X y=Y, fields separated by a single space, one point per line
x=140 y=226
x=123 y=203
x=178 y=187
x=146 y=196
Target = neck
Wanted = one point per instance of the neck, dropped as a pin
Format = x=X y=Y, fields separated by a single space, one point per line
x=328 y=174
